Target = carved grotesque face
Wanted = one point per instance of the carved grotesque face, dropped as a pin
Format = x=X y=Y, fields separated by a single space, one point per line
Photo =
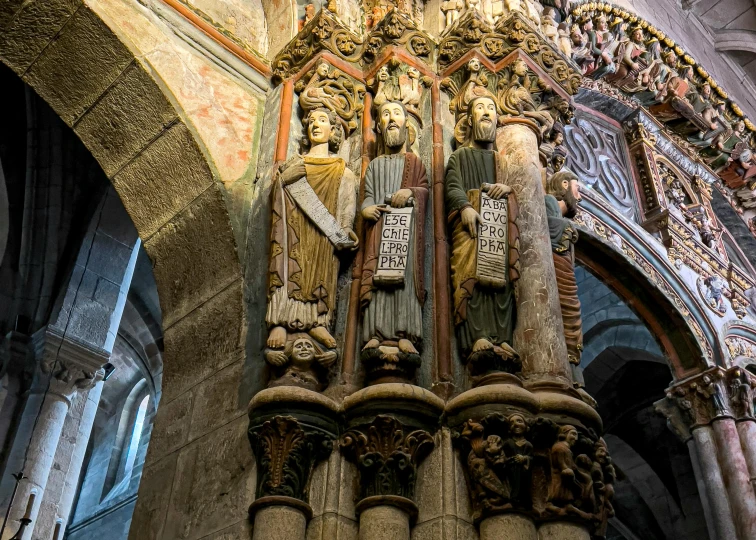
x=323 y=70
x=558 y=162
x=483 y=117
x=413 y=73
x=393 y=124
x=520 y=68
x=383 y=74
x=517 y=424
x=319 y=128
x=601 y=453
x=473 y=65
x=571 y=436
x=302 y=350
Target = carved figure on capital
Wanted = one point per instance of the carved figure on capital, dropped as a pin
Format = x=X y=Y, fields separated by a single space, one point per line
x=538 y=468
x=714 y=289
x=741 y=393
x=571 y=487
x=313 y=208
x=392 y=290
x=498 y=464
x=481 y=211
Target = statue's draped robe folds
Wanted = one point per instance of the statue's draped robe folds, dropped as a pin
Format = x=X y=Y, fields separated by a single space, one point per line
x=303 y=262
x=396 y=312
x=563 y=237
x=479 y=312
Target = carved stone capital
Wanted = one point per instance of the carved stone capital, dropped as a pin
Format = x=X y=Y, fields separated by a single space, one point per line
x=532 y=465
x=387 y=455
x=715 y=393
x=286 y=452
x=65 y=365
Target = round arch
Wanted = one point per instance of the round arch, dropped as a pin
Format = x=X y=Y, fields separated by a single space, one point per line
x=100 y=84
x=643 y=278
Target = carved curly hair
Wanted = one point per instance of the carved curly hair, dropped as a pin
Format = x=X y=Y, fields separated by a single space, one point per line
x=337 y=129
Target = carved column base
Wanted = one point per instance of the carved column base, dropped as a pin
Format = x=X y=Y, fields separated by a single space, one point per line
x=387 y=364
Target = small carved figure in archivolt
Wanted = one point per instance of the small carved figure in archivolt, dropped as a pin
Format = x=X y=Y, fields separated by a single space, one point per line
x=392 y=290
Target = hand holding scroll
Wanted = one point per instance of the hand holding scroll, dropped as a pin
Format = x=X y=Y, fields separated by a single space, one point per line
x=470 y=220
x=498 y=191
x=400 y=198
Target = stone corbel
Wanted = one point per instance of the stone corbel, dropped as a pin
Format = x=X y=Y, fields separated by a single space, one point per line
x=66 y=365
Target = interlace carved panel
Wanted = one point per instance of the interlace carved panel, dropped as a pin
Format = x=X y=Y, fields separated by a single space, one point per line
x=597 y=154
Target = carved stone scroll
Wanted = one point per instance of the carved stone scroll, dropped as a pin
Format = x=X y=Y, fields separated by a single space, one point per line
x=313 y=207
x=396 y=233
x=493 y=245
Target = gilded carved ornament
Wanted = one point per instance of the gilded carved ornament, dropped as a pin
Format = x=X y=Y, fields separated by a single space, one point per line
x=325 y=32
x=286 y=452
x=634 y=62
x=514 y=32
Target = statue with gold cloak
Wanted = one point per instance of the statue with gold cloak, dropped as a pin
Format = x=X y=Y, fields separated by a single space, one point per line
x=314 y=200
x=481 y=212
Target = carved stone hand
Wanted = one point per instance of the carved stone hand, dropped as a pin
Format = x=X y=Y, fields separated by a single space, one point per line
x=400 y=198
x=499 y=191
x=373 y=212
x=470 y=219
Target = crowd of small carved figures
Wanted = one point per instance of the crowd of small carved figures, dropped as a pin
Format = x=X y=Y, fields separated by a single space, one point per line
x=325 y=217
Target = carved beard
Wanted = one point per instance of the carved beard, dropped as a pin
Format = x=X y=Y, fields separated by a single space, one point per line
x=395 y=138
x=571 y=202
x=484 y=132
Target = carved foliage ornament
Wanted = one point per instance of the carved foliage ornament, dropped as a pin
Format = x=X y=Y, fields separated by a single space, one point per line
x=326 y=33
x=536 y=467
x=327 y=87
x=471 y=31
x=286 y=454
x=387 y=456
x=515 y=89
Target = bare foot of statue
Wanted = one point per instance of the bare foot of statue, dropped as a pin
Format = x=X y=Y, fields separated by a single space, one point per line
x=277 y=337
x=509 y=351
x=372 y=344
x=407 y=347
x=323 y=336
x=482 y=345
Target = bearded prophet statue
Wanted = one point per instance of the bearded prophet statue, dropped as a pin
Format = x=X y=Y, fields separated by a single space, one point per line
x=484 y=305
x=562 y=200
x=392 y=291
x=313 y=208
